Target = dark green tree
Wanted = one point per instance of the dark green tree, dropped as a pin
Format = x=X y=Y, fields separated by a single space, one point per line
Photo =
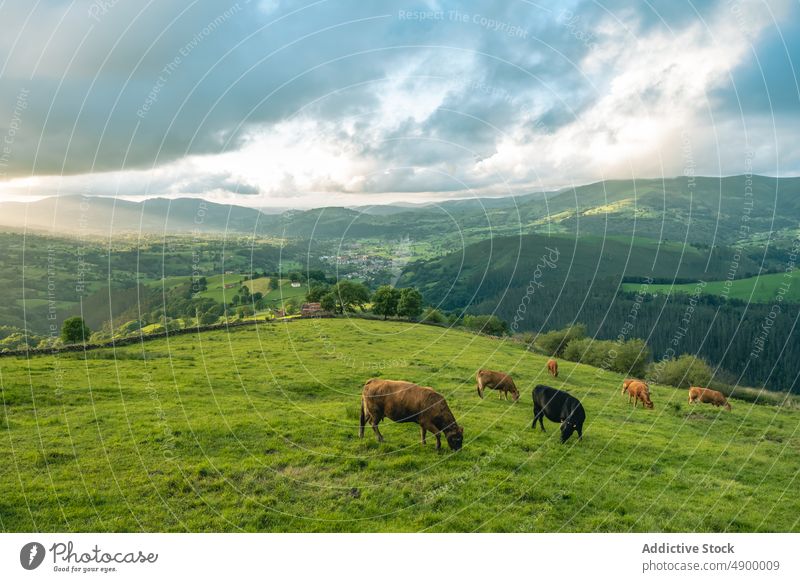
x=351 y=295
x=410 y=303
x=385 y=300
x=328 y=302
x=74 y=330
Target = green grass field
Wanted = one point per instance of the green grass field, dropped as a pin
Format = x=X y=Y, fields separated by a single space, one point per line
x=216 y=288
x=764 y=288
x=256 y=429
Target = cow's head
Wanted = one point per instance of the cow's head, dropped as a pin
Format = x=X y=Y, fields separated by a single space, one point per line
x=572 y=423
x=455 y=437
x=515 y=395
x=567 y=428
x=647 y=402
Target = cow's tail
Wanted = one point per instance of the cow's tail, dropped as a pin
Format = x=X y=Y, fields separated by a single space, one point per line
x=363 y=421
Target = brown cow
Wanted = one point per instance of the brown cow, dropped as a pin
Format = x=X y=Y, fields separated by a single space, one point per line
x=552 y=367
x=638 y=390
x=407 y=402
x=627 y=382
x=496 y=381
x=708 y=396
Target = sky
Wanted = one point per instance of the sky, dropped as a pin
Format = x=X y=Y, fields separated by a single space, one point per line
x=276 y=103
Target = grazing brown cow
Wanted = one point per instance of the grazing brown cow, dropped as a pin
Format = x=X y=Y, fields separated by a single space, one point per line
x=552 y=367
x=496 y=381
x=638 y=390
x=708 y=396
x=627 y=382
x=407 y=402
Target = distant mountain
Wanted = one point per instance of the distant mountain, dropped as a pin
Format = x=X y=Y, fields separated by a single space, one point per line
x=698 y=210
x=109 y=216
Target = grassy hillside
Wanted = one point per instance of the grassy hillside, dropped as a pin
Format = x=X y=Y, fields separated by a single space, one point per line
x=762 y=289
x=487 y=270
x=698 y=210
x=256 y=430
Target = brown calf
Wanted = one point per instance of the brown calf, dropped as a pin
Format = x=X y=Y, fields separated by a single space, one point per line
x=638 y=390
x=627 y=382
x=552 y=367
x=708 y=396
x=407 y=402
x=496 y=381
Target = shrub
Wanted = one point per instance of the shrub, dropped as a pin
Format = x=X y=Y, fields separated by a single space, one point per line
x=488 y=324
x=685 y=371
x=555 y=342
x=432 y=315
x=627 y=357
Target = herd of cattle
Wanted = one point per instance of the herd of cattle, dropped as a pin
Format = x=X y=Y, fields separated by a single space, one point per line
x=407 y=402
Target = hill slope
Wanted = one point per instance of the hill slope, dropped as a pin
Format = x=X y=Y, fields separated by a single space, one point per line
x=698 y=210
x=257 y=430
x=508 y=277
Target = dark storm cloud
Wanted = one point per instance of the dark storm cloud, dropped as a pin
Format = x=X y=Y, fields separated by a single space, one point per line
x=128 y=85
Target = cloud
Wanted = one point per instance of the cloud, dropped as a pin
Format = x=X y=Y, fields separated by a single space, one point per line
x=270 y=100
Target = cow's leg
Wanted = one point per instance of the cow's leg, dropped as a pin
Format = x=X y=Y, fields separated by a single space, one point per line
x=538 y=414
x=438 y=441
x=505 y=393
x=363 y=421
x=422 y=432
x=480 y=387
x=378 y=434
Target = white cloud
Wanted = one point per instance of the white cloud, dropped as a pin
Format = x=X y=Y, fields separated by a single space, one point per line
x=627 y=106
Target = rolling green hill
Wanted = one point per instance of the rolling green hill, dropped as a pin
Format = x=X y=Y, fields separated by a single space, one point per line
x=256 y=429
x=761 y=289
x=700 y=210
x=508 y=277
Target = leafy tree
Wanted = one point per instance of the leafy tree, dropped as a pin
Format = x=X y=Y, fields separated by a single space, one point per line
x=316 y=275
x=200 y=284
x=316 y=292
x=74 y=330
x=385 y=300
x=328 y=302
x=291 y=307
x=410 y=303
x=350 y=295
x=257 y=296
x=273 y=283
x=294 y=276
x=208 y=318
x=244 y=311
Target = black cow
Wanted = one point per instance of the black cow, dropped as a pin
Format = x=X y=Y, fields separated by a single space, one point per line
x=558 y=406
